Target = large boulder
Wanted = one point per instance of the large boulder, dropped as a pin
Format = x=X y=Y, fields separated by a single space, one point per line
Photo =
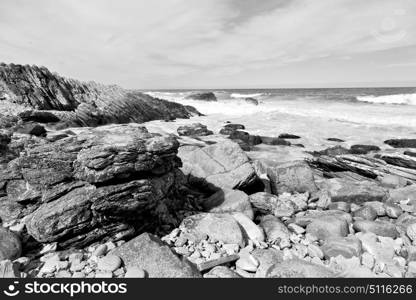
x=220 y=227
x=149 y=253
x=221 y=165
x=203 y=96
x=229 y=201
x=292 y=177
x=346 y=190
x=10 y=246
x=100 y=182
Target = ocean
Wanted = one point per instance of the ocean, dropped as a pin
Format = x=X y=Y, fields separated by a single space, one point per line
x=357 y=115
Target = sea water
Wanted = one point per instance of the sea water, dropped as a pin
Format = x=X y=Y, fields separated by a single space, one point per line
x=363 y=115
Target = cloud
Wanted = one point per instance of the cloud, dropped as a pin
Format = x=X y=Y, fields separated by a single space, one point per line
x=181 y=42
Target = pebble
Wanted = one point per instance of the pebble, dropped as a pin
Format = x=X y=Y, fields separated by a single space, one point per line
x=367 y=260
x=411 y=231
x=393 y=211
x=103 y=274
x=296 y=228
x=49 y=248
x=135 y=272
x=109 y=263
x=77 y=266
x=411 y=267
x=63 y=274
x=315 y=251
x=78 y=275
x=101 y=250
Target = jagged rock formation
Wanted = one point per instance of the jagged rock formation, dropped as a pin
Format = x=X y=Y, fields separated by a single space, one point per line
x=103 y=181
x=79 y=103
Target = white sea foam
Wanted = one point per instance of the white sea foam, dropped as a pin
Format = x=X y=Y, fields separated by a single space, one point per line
x=237 y=95
x=404 y=99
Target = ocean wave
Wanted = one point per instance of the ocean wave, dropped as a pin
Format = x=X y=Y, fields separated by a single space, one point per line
x=398 y=99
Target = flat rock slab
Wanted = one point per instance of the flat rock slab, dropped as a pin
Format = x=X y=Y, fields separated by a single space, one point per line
x=297 y=268
x=381 y=228
x=357 y=192
x=150 y=254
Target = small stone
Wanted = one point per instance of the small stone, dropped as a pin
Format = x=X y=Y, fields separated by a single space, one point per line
x=296 y=228
x=181 y=241
x=367 y=260
x=411 y=231
x=103 y=274
x=230 y=249
x=109 y=263
x=343 y=206
x=135 y=272
x=381 y=228
x=328 y=227
x=366 y=212
x=221 y=272
x=110 y=246
x=347 y=247
x=78 y=275
x=101 y=250
x=119 y=272
x=400 y=261
x=247 y=262
x=49 y=248
x=315 y=251
x=63 y=274
x=411 y=267
x=77 y=266
x=251 y=230
x=377 y=206
x=75 y=257
x=393 y=211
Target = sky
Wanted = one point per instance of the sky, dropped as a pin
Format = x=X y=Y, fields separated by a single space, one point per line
x=168 y=44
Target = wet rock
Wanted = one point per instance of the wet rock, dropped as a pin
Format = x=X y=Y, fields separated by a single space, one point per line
x=274 y=141
x=354 y=191
x=234 y=127
x=381 y=228
x=332 y=151
x=292 y=177
x=149 y=253
x=229 y=201
x=195 y=129
x=10 y=245
x=297 y=268
x=288 y=136
x=250 y=140
x=401 y=143
x=335 y=140
x=346 y=247
x=220 y=227
x=32 y=129
x=222 y=165
x=205 y=96
x=38 y=116
x=251 y=101
x=363 y=149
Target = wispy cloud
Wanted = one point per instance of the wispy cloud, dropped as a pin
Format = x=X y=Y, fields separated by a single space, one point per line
x=175 y=43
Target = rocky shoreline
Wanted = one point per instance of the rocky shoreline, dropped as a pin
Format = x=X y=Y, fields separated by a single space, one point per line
x=102 y=196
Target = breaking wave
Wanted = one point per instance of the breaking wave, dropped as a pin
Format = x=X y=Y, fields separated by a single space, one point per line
x=399 y=99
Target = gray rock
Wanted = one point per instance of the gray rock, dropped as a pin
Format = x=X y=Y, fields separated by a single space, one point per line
x=8 y=269
x=264 y=203
x=221 y=272
x=405 y=193
x=149 y=253
x=135 y=272
x=381 y=228
x=220 y=227
x=229 y=201
x=274 y=229
x=297 y=268
x=195 y=129
x=328 y=228
x=109 y=263
x=346 y=190
x=347 y=247
x=222 y=165
x=292 y=177
x=10 y=245
x=266 y=258
x=366 y=212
